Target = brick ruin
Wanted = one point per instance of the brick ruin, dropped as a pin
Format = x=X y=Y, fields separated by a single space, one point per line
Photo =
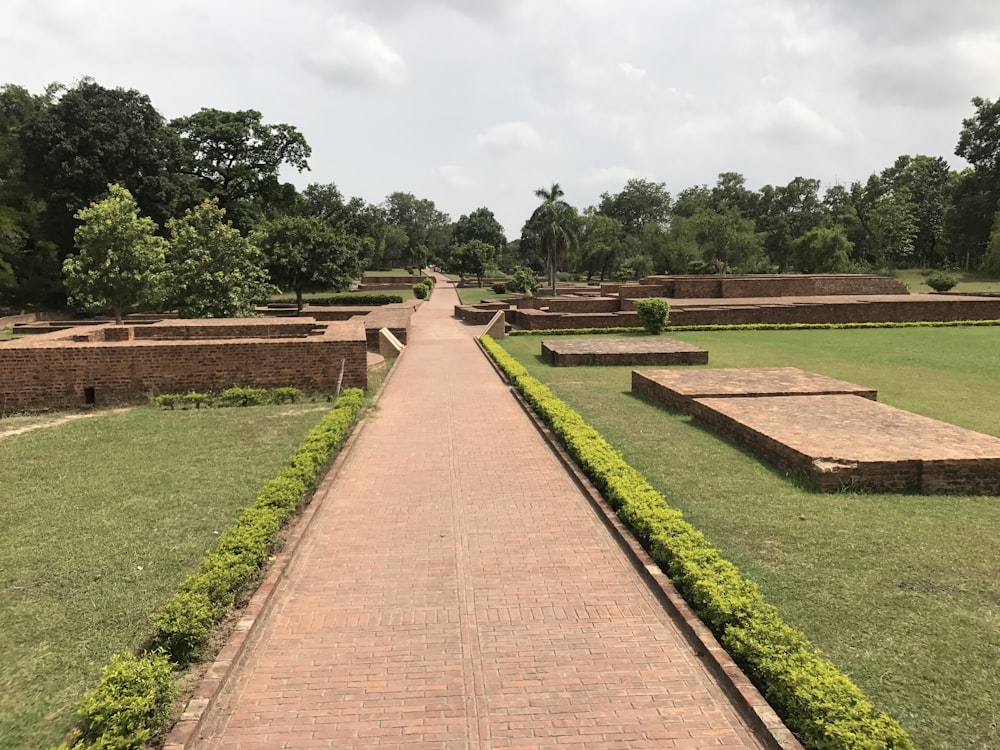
x=833 y=434
x=631 y=351
x=739 y=300
x=108 y=364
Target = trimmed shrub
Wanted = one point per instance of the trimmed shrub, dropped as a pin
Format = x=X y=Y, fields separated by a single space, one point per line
x=366 y=300
x=500 y=288
x=940 y=281
x=420 y=291
x=524 y=281
x=168 y=400
x=286 y=395
x=654 y=314
x=238 y=396
x=819 y=703
x=130 y=704
x=195 y=399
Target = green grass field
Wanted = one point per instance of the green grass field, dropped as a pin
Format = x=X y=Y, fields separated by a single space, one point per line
x=968 y=281
x=901 y=592
x=102 y=518
x=473 y=295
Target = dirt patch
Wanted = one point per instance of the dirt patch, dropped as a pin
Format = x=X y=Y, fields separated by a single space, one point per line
x=56 y=421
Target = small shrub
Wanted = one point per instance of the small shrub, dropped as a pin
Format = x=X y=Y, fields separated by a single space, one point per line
x=130 y=704
x=524 y=281
x=654 y=314
x=340 y=300
x=420 y=291
x=500 y=288
x=242 y=397
x=195 y=399
x=941 y=282
x=168 y=400
x=284 y=395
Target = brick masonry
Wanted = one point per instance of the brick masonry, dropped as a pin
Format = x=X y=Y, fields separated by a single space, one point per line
x=110 y=364
x=647 y=351
x=763 y=285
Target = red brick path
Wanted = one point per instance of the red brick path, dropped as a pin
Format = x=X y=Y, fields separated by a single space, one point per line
x=456 y=590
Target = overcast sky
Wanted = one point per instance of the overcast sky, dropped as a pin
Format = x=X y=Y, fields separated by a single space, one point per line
x=477 y=103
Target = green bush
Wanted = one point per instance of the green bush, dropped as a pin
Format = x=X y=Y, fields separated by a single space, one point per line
x=500 y=288
x=366 y=300
x=168 y=400
x=284 y=395
x=129 y=706
x=817 y=702
x=420 y=291
x=524 y=281
x=940 y=281
x=195 y=399
x=654 y=314
x=242 y=396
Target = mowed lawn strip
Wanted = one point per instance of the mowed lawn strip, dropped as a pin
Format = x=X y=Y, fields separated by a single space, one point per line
x=902 y=592
x=102 y=518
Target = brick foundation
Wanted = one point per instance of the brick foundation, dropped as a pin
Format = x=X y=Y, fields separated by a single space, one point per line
x=651 y=351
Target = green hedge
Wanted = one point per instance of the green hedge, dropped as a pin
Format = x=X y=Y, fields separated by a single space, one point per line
x=817 y=702
x=127 y=708
x=759 y=327
x=365 y=300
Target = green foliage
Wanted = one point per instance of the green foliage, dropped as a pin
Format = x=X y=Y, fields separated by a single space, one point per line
x=420 y=291
x=120 y=258
x=817 y=702
x=213 y=271
x=129 y=706
x=184 y=624
x=168 y=400
x=286 y=395
x=553 y=228
x=524 y=280
x=195 y=399
x=940 y=281
x=654 y=314
x=472 y=258
x=822 y=250
x=499 y=288
x=242 y=396
x=344 y=300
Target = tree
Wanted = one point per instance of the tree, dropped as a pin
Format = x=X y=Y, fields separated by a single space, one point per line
x=214 y=272
x=236 y=158
x=472 y=257
x=120 y=258
x=305 y=254
x=991 y=260
x=928 y=182
x=602 y=243
x=90 y=137
x=639 y=203
x=786 y=213
x=554 y=223
x=481 y=225
x=727 y=240
x=423 y=225
x=979 y=144
x=822 y=250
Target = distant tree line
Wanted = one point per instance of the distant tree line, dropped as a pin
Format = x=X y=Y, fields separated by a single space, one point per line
x=205 y=190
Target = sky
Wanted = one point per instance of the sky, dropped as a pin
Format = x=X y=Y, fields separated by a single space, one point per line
x=474 y=103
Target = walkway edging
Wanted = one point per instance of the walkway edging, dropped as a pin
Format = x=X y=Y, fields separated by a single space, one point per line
x=749 y=702
x=182 y=735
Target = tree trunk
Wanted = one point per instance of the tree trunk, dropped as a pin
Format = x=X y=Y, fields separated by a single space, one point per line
x=298 y=302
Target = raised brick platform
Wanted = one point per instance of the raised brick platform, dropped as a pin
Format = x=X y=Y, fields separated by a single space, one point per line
x=651 y=351
x=841 y=441
x=677 y=389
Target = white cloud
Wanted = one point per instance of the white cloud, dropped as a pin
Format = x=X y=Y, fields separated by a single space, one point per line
x=510 y=137
x=607 y=176
x=455 y=177
x=353 y=54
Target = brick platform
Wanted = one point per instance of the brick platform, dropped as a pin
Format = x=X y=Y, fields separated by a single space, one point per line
x=677 y=390
x=649 y=351
x=842 y=440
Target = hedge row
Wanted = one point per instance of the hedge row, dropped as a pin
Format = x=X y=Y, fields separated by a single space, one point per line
x=344 y=300
x=235 y=396
x=131 y=702
x=760 y=327
x=817 y=702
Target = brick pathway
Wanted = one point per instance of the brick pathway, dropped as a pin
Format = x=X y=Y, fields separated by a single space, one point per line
x=456 y=590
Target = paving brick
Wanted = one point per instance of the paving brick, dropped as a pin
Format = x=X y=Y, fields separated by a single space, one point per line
x=455 y=589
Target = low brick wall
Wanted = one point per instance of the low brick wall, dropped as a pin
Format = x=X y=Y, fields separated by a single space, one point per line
x=53 y=371
x=538 y=320
x=583 y=304
x=616 y=352
x=729 y=286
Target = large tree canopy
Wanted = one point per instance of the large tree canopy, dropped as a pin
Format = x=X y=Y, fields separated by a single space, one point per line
x=555 y=224
x=236 y=158
x=639 y=203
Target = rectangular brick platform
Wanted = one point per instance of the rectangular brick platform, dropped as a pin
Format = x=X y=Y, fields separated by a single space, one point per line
x=840 y=441
x=677 y=389
x=648 y=351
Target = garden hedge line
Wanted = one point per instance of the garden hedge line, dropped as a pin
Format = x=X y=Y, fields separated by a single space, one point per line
x=759 y=327
x=816 y=701
x=131 y=702
x=344 y=300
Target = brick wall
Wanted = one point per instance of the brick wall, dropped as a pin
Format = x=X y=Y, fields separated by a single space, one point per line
x=764 y=285
x=53 y=372
x=583 y=304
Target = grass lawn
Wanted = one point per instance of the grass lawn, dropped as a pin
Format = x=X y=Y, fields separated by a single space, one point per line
x=473 y=295
x=102 y=518
x=902 y=592
x=6 y=334
x=968 y=281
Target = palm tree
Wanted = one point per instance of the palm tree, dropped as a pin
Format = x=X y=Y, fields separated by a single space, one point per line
x=555 y=224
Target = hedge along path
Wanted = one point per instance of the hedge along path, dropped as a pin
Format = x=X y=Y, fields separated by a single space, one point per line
x=819 y=703
x=456 y=589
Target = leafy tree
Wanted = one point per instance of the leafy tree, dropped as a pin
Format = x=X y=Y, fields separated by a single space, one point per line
x=602 y=243
x=120 y=258
x=786 y=213
x=727 y=240
x=422 y=224
x=305 y=254
x=472 y=257
x=639 y=203
x=214 y=272
x=979 y=196
x=554 y=224
x=481 y=225
x=236 y=158
x=822 y=250
x=991 y=260
x=90 y=137
x=927 y=180
x=730 y=192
